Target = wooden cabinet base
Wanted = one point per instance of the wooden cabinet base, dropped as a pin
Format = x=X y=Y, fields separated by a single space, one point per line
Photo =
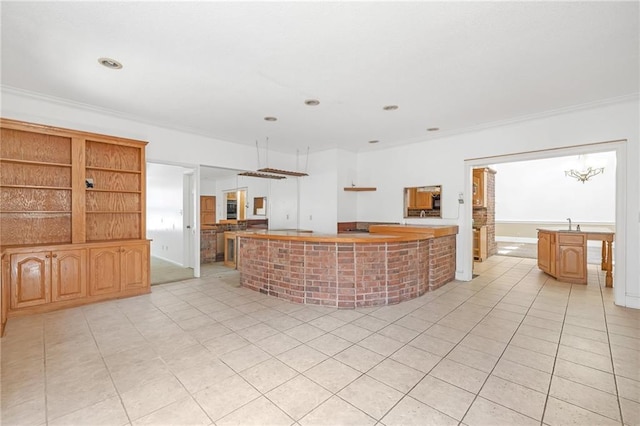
x=37 y=279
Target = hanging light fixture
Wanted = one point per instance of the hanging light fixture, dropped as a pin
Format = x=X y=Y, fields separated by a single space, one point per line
x=585 y=172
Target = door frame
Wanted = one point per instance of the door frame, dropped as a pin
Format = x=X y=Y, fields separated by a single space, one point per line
x=620 y=249
x=193 y=206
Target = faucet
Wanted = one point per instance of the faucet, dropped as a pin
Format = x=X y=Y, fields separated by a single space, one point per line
x=423 y=213
x=569 y=219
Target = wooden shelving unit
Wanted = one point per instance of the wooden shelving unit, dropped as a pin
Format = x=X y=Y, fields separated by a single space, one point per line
x=72 y=204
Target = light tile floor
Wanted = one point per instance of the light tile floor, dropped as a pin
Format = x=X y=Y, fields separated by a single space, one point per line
x=512 y=347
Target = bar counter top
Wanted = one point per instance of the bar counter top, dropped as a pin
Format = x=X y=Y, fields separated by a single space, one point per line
x=377 y=234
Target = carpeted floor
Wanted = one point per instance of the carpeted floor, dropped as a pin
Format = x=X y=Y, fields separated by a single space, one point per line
x=530 y=251
x=167 y=272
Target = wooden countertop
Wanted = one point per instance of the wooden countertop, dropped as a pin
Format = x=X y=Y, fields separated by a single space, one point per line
x=433 y=230
x=589 y=230
x=393 y=235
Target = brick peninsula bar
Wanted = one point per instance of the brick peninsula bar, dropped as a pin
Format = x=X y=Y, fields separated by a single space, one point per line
x=390 y=264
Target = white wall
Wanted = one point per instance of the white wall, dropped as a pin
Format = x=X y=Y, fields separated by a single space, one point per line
x=164 y=211
x=442 y=161
x=347 y=176
x=539 y=191
x=439 y=161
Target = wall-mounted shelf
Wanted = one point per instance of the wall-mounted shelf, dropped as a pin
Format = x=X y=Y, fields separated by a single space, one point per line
x=360 y=188
x=282 y=172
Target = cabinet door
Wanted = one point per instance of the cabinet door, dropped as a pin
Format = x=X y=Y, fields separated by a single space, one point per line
x=207 y=218
x=104 y=270
x=134 y=266
x=30 y=279
x=572 y=260
x=545 y=250
x=68 y=274
x=207 y=203
x=478 y=188
x=424 y=200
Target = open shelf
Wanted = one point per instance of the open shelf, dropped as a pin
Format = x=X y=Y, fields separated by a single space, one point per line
x=36 y=163
x=111 y=169
x=59 y=188
x=360 y=188
x=113 y=212
x=122 y=191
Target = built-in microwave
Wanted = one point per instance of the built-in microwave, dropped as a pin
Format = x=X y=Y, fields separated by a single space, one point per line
x=232 y=209
x=436 y=202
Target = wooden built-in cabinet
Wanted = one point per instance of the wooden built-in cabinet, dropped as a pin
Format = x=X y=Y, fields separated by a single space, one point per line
x=480 y=187
x=64 y=193
x=207 y=209
x=480 y=243
x=420 y=199
x=563 y=255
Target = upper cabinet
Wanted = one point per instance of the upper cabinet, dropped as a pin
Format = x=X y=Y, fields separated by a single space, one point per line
x=480 y=187
x=423 y=201
x=207 y=209
x=62 y=186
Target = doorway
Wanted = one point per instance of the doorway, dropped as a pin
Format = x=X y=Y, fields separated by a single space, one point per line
x=171 y=224
x=620 y=250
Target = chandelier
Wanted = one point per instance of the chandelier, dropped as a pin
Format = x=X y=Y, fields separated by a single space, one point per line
x=583 y=176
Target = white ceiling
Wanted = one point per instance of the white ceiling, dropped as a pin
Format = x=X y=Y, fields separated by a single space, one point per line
x=218 y=68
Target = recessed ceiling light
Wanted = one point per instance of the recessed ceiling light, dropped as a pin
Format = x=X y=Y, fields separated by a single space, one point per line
x=390 y=107
x=374 y=141
x=433 y=129
x=110 y=63
x=312 y=102
x=270 y=119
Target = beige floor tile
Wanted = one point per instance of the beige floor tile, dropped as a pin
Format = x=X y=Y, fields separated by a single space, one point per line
x=336 y=411
x=329 y=344
x=585 y=375
x=414 y=323
x=473 y=358
x=332 y=375
x=226 y=343
x=559 y=412
x=257 y=332
x=277 y=343
x=283 y=323
x=630 y=412
x=399 y=333
x=484 y=412
x=306 y=314
x=360 y=358
x=302 y=358
x=26 y=412
x=586 y=397
x=304 y=332
x=143 y=400
x=127 y=376
x=370 y=396
x=514 y=396
x=298 y=396
x=416 y=358
x=534 y=344
x=327 y=323
x=245 y=357
x=443 y=396
x=584 y=332
x=629 y=389
x=460 y=375
x=412 y=412
x=268 y=375
x=445 y=333
x=107 y=412
x=396 y=375
x=492 y=332
x=552 y=336
x=625 y=342
x=586 y=358
x=351 y=332
x=370 y=323
x=258 y=412
x=225 y=396
x=585 y=344
x=78 y=391
x=432 y=344
x=522 y=375
x=199 y=377
x=483 y=344
x=529 y=358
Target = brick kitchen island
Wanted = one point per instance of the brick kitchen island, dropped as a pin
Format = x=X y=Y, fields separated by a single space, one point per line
x=391 y=264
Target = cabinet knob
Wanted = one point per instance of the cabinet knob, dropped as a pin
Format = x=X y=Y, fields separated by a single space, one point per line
x=55 y=255
x=47 y=256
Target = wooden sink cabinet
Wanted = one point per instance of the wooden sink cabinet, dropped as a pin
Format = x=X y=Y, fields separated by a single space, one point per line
x=563 y=255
